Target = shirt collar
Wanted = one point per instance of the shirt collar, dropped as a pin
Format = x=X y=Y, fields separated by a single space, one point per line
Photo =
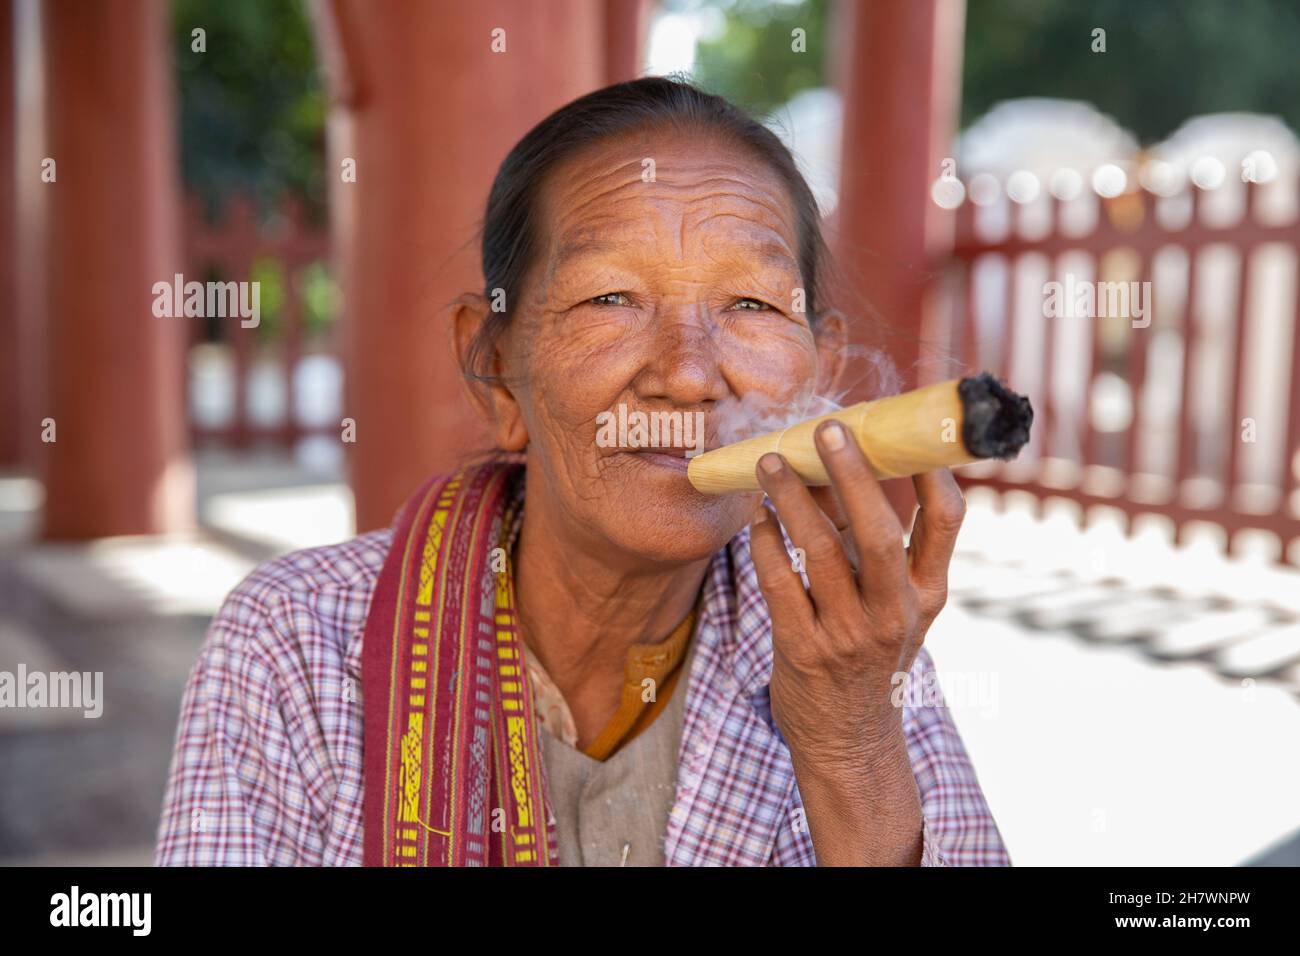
x=734 y=606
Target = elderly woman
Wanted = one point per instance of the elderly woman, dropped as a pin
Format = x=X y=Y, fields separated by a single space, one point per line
x=568 y=655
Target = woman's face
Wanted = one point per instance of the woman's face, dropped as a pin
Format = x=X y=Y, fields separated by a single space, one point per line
x=664 y=286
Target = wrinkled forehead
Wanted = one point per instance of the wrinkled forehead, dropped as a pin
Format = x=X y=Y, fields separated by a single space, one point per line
x=680 y=193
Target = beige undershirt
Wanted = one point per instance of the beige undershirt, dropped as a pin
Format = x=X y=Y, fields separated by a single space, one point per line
x=614 y=812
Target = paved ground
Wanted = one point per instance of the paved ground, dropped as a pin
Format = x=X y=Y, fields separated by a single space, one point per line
x=1123 y=703
x=80 y=790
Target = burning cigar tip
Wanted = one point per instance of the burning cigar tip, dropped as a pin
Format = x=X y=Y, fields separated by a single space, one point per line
x=996 y=420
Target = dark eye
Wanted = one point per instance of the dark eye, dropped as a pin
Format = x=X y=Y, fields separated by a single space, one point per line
x=611 y=298
x=750 y=305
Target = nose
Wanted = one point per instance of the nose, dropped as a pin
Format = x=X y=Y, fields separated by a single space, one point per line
x=685 y=368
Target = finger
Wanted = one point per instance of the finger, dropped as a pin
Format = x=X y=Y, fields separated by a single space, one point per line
x=824 y=496
x=879 y=536
x=830 y=578
x=830 y=505
x=781 y=587
x=934 y=532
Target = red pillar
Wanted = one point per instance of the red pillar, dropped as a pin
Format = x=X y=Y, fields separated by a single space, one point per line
x=626 y=23
x=106 y=229
x=900 y=74
x=427 y=111
x=10 y=364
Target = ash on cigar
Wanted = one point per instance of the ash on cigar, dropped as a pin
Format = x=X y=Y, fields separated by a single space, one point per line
x=996 y=421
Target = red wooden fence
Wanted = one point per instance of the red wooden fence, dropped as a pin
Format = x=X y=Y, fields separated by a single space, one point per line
x=1204 y=476
x=228 y=248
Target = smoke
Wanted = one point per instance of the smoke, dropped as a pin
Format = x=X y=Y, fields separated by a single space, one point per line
x=868 y=373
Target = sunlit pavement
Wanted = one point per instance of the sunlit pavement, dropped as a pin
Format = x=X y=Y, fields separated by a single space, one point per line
x=1123 y=703
x=87 y=791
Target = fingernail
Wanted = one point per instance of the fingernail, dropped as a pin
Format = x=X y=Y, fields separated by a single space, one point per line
x=833 y=436
x=770 y=463
x=761 y=516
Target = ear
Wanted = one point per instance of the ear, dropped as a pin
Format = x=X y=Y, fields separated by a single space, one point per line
x=831 y=338
x=495 y=404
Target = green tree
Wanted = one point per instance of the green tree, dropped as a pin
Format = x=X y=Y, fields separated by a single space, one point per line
x=252 y=111
x=752 y=64
x=1166 y=61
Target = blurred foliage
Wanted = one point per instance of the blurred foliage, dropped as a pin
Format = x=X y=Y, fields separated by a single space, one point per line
x=252 y=120
x=252 y=110
x=1166 y=61
x=320 y=298
x=752 y=62
x=269 y=274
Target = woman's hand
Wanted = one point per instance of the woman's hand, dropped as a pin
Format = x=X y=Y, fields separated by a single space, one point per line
x=840 y=644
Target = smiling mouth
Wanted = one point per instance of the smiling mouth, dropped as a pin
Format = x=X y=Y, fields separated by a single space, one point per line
x=671 y=458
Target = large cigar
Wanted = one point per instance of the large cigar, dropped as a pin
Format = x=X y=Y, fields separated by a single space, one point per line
x=938 y=426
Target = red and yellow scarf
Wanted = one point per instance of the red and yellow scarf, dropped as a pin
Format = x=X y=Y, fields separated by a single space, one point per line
x=453 y=766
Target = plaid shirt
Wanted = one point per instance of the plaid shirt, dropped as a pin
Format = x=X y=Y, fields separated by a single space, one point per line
x=267 y=768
